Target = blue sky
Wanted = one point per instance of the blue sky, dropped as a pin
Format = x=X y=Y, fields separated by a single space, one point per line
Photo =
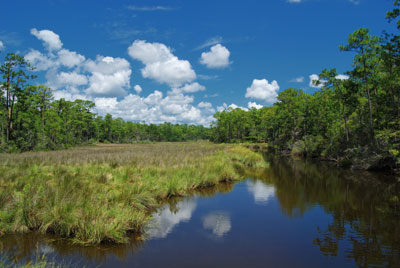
x=180 y=61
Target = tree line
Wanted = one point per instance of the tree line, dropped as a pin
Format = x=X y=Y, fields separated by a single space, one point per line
x=30 y=118
x=349 y=116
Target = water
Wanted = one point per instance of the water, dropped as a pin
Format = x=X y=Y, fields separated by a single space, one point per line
x=297 y=214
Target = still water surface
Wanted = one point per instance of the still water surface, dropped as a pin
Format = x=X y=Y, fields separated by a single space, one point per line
x=297 y=214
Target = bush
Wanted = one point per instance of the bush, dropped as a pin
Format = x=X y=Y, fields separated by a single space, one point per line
x=310 y=146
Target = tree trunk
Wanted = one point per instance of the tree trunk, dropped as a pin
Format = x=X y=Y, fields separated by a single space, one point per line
x=345 y=121
x=8 y=108
x=11 y=114
x=42 y=114
x=371 y=126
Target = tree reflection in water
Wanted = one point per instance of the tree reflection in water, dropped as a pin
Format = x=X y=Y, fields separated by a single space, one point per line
x=20 y=248
x=364 y=207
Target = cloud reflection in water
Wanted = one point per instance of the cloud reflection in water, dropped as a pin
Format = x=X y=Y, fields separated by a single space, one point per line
x=261 y=192
x=164 y=221
x=218 y=222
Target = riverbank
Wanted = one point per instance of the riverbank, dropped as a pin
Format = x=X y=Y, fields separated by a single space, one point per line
x=101 y=193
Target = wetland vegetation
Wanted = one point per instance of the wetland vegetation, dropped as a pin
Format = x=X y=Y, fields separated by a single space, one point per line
x=100 y=193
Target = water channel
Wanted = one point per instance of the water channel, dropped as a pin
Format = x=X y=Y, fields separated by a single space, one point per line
x=297 y=214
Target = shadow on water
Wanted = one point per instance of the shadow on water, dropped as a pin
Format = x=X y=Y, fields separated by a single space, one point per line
x=365 y=207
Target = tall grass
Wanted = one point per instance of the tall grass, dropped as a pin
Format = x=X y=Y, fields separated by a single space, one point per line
x=100 y=193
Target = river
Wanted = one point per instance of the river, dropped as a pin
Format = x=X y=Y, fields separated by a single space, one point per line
x=298 y=213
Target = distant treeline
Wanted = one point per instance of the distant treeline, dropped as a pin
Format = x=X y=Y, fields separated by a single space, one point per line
x=352 y=116
x=31 y=119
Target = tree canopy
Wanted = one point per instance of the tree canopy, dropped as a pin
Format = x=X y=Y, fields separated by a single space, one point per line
x=353 y=114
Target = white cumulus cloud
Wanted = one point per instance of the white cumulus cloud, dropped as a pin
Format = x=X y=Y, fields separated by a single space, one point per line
x=263 y=90
x=160 y=64
x=138 y=89
x=109 y=76
x=70 y=94
x=315 y=81
x=217 y=57
x=73 y=78
x=104 y=76
x=50 y=39
x=190 y=88
x=342 y=77
x=69 y=58
x=2 y=46
x=233 y=106
x=106 y=81
x=40 y=61
x=314 y=78
x=157 y=108
x=206 y=106
x=254 y=105
x=63 y=58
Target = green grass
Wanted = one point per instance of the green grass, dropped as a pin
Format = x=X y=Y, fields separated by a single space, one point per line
x=101 y=193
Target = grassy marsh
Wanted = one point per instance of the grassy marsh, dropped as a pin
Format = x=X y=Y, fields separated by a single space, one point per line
x=100 y=193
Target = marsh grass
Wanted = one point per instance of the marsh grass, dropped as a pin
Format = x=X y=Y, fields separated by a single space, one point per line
x=101 y=193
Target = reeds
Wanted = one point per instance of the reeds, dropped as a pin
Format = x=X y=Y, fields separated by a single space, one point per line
x=100 y=193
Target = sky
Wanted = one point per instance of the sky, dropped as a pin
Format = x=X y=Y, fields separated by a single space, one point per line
x=181 y=61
